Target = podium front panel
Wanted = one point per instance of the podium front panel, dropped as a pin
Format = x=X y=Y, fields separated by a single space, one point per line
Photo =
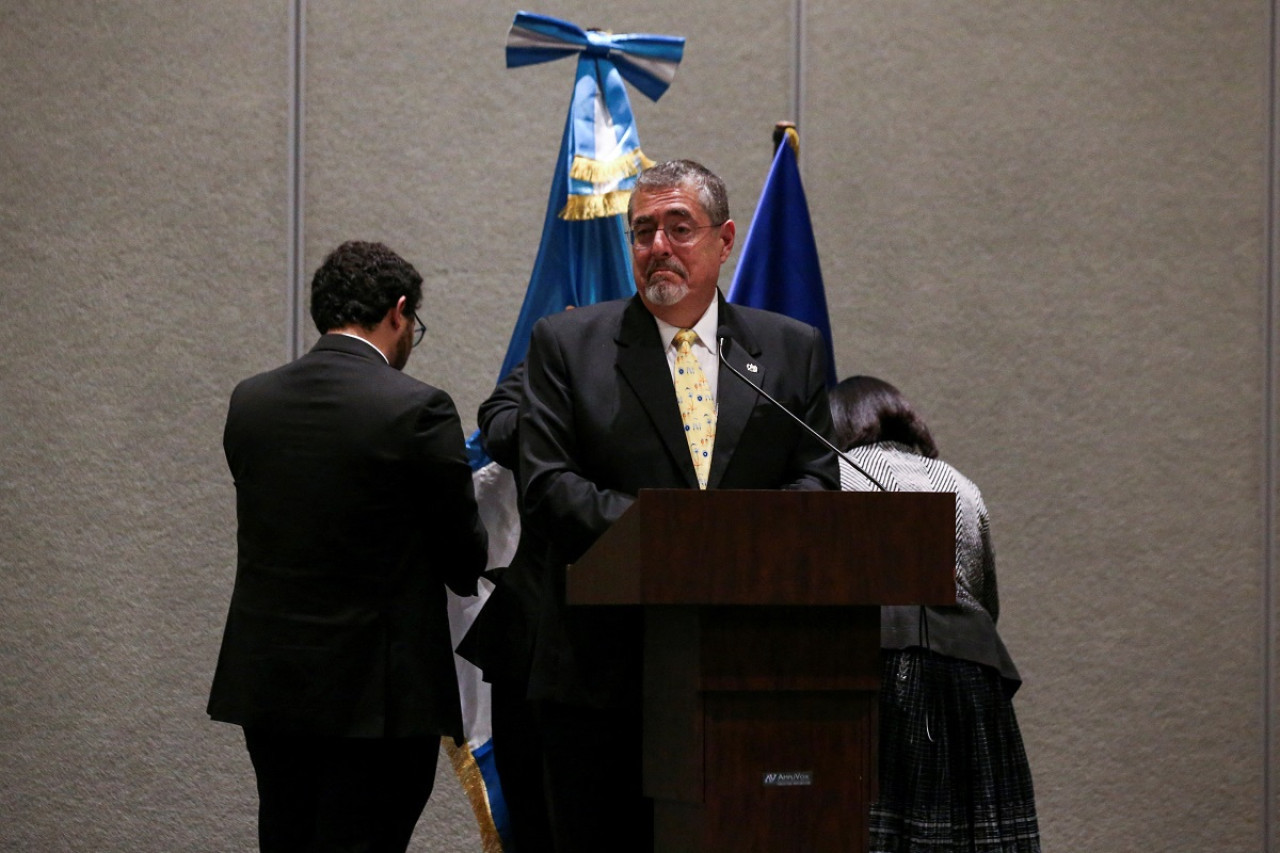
x=739 y=547
x=760 y=726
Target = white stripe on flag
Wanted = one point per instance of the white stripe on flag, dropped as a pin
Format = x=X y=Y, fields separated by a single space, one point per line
x=496 y=496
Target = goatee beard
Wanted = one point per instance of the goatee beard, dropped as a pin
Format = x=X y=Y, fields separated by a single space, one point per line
x=665 y=292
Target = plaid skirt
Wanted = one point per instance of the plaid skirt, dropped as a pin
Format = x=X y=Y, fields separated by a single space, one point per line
x=953 y=771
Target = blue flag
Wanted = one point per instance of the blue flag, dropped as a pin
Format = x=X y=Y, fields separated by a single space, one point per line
x=584 y=257
x=778 y=269
x=579 y=262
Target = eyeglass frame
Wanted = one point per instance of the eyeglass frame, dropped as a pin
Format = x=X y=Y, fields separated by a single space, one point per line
x=421 y=331
x=635 y=244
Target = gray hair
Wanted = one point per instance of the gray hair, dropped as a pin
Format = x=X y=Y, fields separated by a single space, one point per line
x=679 y=173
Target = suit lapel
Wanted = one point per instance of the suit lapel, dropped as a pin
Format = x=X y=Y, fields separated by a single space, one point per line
x=643 y=365
x=736 y=398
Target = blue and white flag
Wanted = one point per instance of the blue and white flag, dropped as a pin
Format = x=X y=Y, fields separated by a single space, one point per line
x=473 y=763
x=583 y=258
x=778 y=269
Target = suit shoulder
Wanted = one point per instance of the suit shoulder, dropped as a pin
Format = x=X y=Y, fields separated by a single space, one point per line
x=260 y=382
x=402 y=384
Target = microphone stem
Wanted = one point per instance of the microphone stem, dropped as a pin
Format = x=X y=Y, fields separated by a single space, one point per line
x=799 y=420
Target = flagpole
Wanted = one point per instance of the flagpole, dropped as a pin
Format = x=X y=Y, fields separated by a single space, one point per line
x=798 y=60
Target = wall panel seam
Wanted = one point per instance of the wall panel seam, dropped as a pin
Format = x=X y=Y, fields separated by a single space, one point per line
x=1271 y=431
x=294 y=287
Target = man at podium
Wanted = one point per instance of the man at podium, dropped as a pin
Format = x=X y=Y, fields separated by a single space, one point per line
x=626 y=395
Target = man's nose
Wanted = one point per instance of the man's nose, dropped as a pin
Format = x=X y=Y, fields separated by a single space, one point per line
x=665 y=247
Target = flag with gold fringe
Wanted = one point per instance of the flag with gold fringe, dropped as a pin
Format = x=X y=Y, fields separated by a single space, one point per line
x=582 y=258
x=601 y=146
x=583 y=255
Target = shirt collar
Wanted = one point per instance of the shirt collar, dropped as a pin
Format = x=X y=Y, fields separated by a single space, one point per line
x=705 y=327
x=375 y=349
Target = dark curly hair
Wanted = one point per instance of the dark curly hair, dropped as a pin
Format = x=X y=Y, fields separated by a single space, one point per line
x=358 y=283
x=677 y=173
x=865 y=410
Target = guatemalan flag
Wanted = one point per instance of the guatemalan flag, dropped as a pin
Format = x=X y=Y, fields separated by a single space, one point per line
x=582 y=258
x=778 y=269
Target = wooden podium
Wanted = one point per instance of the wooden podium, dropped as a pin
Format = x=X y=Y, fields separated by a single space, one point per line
x=762 y=652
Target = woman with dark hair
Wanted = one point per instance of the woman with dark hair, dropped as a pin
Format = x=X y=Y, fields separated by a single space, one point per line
x=953 y=771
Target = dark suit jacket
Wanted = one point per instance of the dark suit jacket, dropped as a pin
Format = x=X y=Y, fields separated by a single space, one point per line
x=599 y=421
x=498 y=420
x=355 y=509
x=501 y=638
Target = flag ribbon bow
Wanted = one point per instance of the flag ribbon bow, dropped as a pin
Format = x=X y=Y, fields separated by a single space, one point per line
x=603 y=145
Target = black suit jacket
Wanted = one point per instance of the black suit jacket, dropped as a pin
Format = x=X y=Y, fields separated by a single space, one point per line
x=498 y=420
x=599 y=421
x=355 y=508
x=501 y=638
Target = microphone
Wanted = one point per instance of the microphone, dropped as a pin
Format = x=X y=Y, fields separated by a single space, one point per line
x=725 y=336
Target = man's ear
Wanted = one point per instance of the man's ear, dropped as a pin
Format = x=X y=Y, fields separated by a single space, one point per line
x=727 y=232
x=397 y=314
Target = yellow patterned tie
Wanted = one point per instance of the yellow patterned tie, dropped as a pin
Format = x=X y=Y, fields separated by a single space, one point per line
x=697 y=409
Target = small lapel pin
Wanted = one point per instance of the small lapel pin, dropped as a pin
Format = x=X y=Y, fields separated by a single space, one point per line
x=752 y=368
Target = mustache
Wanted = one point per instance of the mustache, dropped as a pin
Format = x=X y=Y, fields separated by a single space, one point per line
x=665 y=264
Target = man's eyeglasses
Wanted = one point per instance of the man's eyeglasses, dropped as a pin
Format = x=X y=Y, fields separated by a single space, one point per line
x=678 y=234
x=421 y=331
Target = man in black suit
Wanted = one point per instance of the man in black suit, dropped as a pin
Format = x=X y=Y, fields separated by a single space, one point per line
x=355 y=510
x=600 y=420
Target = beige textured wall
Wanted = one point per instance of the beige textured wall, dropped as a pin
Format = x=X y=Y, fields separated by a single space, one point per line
x=142 y=149
x=1045 y=221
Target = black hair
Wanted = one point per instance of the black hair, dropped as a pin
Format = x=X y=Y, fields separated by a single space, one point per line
x=358 y=283
x=865 y=410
